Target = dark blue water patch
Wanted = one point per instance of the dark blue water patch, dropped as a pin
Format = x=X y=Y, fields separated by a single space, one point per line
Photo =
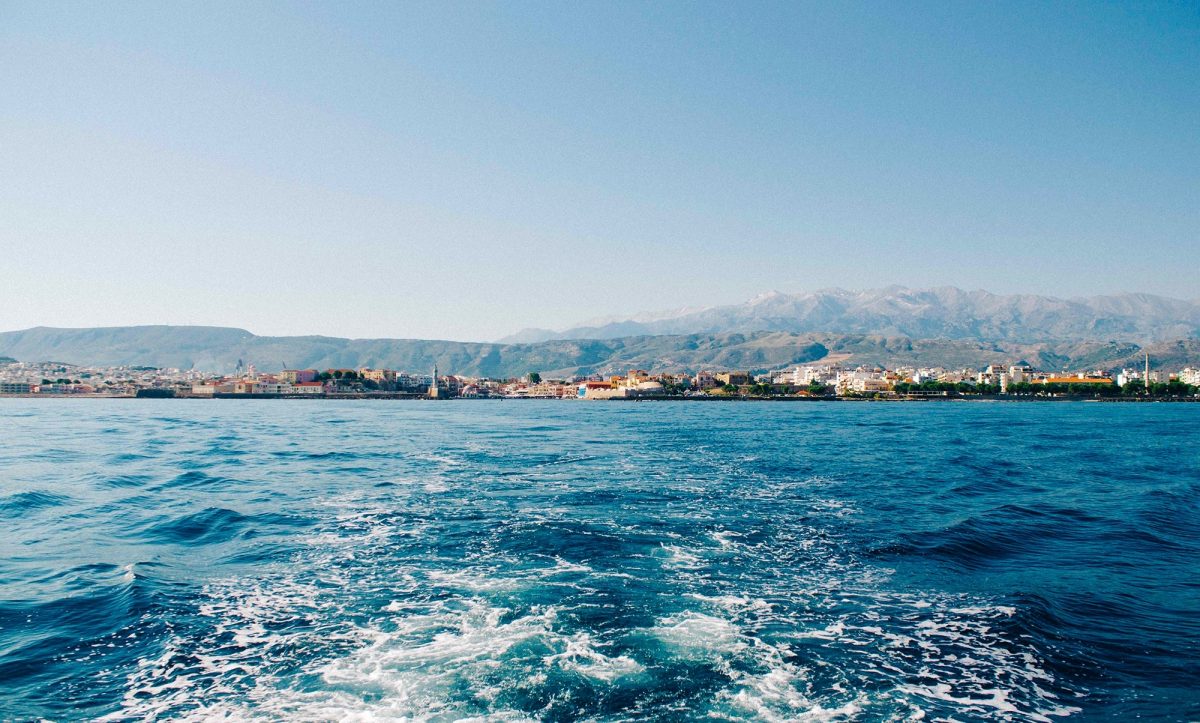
x=996 y=535
x=128 y=457
x=603 y=499
x=331 y=456
x=1119 y=661
x=1138 y=538
x=119 y=510
x=61 y=455
x=270 y=523
x=195 y=479
x=68 y=657
x=177 y=421
x=23 y=503
x=198 y=461
x=1004 y=535
x=217 y=525
x=34 y=632
x=81 y=578
x=353 y=469
x=1171 y=512
x=124 y=480
x=573 y=541
x=226 y=456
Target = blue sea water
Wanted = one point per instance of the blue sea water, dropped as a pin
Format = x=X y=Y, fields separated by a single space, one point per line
x=598 y=561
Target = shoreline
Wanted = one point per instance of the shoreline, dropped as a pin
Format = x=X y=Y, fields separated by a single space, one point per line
x=401 y=397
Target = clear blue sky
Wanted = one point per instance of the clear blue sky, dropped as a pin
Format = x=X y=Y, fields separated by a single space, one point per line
x=460 y=171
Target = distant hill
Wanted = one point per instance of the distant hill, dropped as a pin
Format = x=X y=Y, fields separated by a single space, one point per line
x=120 y=345
x=218 y=349
x=940 y=313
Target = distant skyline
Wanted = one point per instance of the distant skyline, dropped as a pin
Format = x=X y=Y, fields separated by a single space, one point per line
x=456 y=171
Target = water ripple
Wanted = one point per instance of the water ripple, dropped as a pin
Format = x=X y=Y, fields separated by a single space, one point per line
x=557 y=561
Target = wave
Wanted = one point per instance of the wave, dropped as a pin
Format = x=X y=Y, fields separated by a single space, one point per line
x=63 y=648
x=22 y=503
x=216 y=525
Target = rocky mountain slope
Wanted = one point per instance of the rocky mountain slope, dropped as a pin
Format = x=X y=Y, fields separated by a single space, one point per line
x=940 y=313
x=219 y=349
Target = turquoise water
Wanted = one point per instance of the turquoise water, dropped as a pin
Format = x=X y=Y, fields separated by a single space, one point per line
x=572 y=560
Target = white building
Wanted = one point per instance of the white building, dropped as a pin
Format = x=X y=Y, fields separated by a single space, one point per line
x=273 y=388
x=995 y=374
x=650 y=388
x=1020 y=373
x=802 y=376
x=927 y=374
x=603 y=390
x=871 y=385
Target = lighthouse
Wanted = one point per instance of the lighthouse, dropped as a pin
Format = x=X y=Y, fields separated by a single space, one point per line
x=433 y=385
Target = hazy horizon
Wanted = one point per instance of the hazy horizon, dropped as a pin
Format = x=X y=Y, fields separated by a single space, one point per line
x=463 y=172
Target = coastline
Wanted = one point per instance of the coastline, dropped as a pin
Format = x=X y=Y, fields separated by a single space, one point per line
x=400 y=397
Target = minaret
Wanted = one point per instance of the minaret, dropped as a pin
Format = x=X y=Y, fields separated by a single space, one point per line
x=433 y=386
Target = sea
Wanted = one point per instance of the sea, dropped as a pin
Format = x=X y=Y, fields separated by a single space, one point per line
x=589 y=561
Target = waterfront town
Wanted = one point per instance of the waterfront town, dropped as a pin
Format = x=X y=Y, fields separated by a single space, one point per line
x=806 y=381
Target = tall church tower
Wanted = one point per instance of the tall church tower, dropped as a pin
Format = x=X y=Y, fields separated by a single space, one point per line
x=433 y=385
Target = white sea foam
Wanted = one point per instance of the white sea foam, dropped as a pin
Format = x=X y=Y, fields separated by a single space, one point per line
x=681 y=559
x=472 y=580
x=696 y=635
x=725 y=538
x=733 y=603
x=580 y=655
x=436 y=484
x=442 y=643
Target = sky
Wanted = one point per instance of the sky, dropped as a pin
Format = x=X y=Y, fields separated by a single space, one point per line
x=464 y=170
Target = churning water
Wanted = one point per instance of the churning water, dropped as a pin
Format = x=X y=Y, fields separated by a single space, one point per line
x=564 y=561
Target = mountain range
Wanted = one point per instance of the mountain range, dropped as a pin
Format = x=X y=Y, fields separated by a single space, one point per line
x=892 y=326
x=938 y=313
x=219 y=349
